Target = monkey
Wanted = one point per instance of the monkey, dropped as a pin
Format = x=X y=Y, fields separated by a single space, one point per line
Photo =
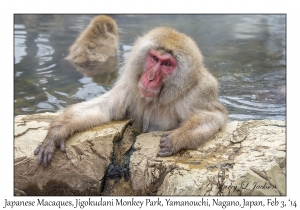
x=164 y=86
x=97 y=43
x=94 y=53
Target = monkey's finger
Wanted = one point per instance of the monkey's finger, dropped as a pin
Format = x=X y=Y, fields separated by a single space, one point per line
x=45 y=160
x=49 y=153
x=36 y=151
x=165 y=142
x=164 y=153
x=40 y=155
x=62 y=146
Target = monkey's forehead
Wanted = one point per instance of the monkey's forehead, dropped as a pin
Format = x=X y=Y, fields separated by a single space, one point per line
x=164 y=50
x=171 y=41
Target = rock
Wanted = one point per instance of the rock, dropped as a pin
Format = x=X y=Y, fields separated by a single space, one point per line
x=79 y=171
x=245 y=158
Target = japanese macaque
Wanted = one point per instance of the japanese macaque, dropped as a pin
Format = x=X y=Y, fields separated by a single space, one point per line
x=96 y=43
x=164 y=86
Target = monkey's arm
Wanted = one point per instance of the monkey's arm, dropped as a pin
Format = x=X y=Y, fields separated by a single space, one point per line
x=77 y=118
x=193 y=132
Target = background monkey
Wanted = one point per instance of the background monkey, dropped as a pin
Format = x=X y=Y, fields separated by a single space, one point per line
x=94 y=53
x=164 y=86
x=96 y=43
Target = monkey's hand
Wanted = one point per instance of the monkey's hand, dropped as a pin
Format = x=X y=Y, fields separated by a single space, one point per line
x=166 y=145
x=46 y=149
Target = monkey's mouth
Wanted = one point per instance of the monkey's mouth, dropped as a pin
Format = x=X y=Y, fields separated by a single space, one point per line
x=147 y=93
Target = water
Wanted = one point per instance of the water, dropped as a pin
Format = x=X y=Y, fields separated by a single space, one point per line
x=246 y=53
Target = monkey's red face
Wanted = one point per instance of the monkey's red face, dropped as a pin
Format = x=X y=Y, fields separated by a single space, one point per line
x=158 y=66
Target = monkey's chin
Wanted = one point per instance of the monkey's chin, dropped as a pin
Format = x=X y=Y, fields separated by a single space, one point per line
x=147 y=94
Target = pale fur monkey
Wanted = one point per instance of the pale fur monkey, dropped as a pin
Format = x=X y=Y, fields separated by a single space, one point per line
x=96 y=43
x=164 y=86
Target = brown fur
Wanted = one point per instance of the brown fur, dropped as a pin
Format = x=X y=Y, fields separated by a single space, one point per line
x=187 y=106
x=96 y=43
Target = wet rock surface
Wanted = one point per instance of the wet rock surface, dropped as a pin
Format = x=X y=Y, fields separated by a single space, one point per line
x=245 y=158
x=79 y=171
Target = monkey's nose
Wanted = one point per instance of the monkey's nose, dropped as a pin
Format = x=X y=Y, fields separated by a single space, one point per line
x=151 y=76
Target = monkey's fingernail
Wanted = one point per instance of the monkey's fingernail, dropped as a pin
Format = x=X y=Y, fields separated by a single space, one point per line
x=161 y=154
x=49 y=157
x=45 y=160
x=40 y=156
x=36 y=151
x=164 y=139
x=62 y=147
x=165 y=134
x=163 y=144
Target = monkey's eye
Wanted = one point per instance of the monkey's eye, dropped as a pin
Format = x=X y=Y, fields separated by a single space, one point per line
x=167 y=63
x=155 y=58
